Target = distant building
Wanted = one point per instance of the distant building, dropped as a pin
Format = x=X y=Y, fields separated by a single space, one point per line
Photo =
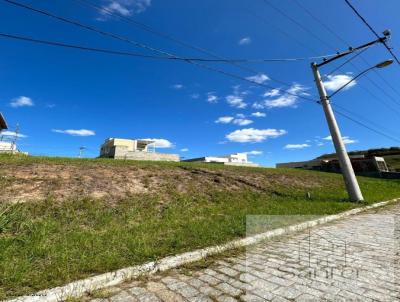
x=5 y=146
x=360 y=163
x=134 y=149
x=237 y=159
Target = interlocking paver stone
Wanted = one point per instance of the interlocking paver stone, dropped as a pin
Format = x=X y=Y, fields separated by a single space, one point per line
x=123 y=297
x=354 y=259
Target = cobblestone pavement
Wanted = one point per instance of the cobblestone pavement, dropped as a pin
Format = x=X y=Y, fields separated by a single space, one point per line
x=354 y=259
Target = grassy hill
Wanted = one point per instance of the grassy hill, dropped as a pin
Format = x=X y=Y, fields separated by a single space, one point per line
x=65 y=219
x=391 y=156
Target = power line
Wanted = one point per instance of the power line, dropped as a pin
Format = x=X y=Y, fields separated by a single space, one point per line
x=345 y=62
x=375 y=97
x=318 y=20
x=108 y=51
x=141 y=45
x=365 y=126
x=298 y=24
x=90 y=28
x=371 y=29
x=383 y=91
x=137 y=44
x=382 y=78
x=362 y=118
x=132 y=54
x=169 y=56
x=147 y=28
x=345 y=42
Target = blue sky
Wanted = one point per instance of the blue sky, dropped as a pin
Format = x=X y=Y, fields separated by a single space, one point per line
x=64 y=98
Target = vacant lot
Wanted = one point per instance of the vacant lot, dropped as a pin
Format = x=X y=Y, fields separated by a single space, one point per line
x=64 y=219
x=25 y=179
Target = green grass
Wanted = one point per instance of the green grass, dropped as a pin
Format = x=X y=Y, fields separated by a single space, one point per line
x=49 y=243
x=393 y=161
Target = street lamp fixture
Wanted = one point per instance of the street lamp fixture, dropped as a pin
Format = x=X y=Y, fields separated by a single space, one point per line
x=380 y=65
x=384 y=64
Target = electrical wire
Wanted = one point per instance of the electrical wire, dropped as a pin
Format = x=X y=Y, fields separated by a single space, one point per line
x=298 y=24
x=346 y=62
x=115 y=52
x=362 y=118
x=371 y=29
x=318 y=20
x=169 y=56
x=137 y=44
x=101 y=50
x=141 y=45
x=147 y=28
x=366 y=126
x=345 y=42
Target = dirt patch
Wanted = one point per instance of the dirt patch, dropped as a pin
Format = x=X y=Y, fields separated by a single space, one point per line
x=25 y=182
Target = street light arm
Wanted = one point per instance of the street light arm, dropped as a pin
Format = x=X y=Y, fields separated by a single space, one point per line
x=352 y=80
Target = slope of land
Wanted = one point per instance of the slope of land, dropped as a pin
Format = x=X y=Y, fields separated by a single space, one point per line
x=24 y=179
x=67 y=219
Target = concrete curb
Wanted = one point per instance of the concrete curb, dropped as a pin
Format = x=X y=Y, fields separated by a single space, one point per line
x=78 y=288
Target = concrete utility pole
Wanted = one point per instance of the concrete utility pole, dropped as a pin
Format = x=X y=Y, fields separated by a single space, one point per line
x=345 y=164
x=350 y=179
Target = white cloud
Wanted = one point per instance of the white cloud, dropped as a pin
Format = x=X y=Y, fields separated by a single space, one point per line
x=160 y=142
x=22 y=101
x=242 y=122
x=75 y=132
x=258 y=114
x=254 y=152
x=237 y=121
x=212 y=98
x=177 y=86
x=296 y=146
x=272 y=92
x=224 y=120
x=184 y=150
x=251 y=135
x=195 y=96
x=244 y=41
x=258 y=105
x=336 y=81
x=12 y=133
x=258 y=78
x=236 y=101
x=346 y=139
x=287 y=99
x=237 y=91
x=123 y=7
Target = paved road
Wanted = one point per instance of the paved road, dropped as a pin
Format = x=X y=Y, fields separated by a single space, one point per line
x=355 y=259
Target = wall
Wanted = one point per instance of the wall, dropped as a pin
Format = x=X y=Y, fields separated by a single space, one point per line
x=145 y=156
